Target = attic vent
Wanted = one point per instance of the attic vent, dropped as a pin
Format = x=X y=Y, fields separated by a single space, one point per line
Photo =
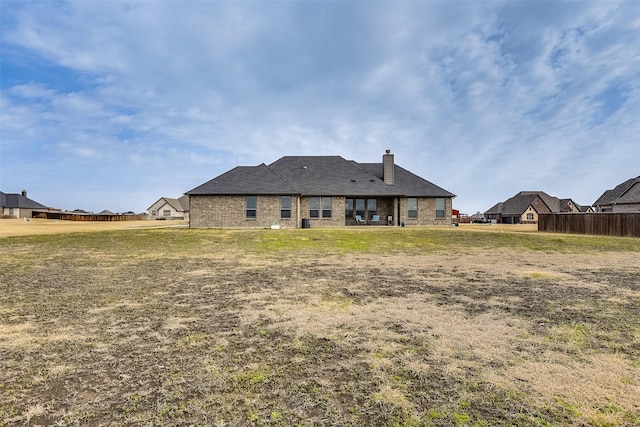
x=305 y=167
x=372 y=180
x=353 y=180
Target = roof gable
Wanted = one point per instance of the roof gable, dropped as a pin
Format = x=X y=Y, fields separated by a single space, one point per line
x=631 y=194
x=180 y=204
x=174 y=203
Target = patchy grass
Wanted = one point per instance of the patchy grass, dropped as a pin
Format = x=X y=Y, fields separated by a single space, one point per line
x=366 y=326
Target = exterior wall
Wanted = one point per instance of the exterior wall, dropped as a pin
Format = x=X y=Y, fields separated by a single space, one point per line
x=17 y=212
x=386 y=209
x=426 y=212
x=337 y=213
x=530 y=210
x=626 y=208
x=230 y=212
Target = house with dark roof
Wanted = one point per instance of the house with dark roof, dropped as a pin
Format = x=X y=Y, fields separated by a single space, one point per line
x=168 y=208
x=624 y=197
x=524 y=208
x=19 y=205
x=319 y=191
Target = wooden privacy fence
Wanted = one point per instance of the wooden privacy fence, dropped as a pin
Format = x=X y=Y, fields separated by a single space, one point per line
x=68 y=216
x=608 y=224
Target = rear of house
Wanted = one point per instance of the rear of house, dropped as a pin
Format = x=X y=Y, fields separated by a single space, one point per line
x=319 y=191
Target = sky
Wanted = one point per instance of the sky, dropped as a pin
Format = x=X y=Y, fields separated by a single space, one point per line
x=114 y=104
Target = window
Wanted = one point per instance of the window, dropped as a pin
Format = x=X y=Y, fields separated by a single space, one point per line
x=360 y=207
x=529 y=217
x=154 y=212
x=314 y=207
x=252 y=206
x=348 y=208
x=412 y=204
x=166 y=212
x=326 y=207
x=371 y=207
x=315 y=203
x=285 y=206
x=440 y=207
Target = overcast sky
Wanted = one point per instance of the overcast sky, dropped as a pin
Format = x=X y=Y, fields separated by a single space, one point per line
x=114 y=104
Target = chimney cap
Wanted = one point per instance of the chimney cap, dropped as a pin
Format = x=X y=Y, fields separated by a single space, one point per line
x=388 y=151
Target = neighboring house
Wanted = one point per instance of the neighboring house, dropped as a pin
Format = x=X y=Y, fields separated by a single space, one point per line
x=167 y=208
x=19 y=205
x=624 y=198
x=319 y=191
x=524 y=208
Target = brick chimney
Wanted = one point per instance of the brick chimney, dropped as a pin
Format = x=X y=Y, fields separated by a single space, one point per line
x=388 y=168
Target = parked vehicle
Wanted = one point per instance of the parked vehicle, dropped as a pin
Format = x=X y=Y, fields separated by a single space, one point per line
x=481 y=221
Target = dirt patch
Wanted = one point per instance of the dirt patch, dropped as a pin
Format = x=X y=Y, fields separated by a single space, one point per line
x=179 y=327
x=34 y=226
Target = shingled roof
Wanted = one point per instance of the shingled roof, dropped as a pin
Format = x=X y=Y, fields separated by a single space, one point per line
x=245 y=180
x=181 y=204
x=18 y=201
x=622 y=193
x=318 y=175
x=519 y=203
x=515 y=205
x=410 y=184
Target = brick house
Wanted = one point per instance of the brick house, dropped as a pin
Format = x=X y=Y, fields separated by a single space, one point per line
x=319 y=191
x=524 y=207
x=168 y=208
x=624 y=197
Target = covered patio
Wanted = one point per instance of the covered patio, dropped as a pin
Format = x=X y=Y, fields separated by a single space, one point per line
x=370 y=210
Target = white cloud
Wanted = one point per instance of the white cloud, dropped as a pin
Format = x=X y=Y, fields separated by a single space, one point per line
x=509 y=94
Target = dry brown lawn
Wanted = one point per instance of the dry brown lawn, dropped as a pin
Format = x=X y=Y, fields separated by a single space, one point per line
x=21 y=227
x=388 y=326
